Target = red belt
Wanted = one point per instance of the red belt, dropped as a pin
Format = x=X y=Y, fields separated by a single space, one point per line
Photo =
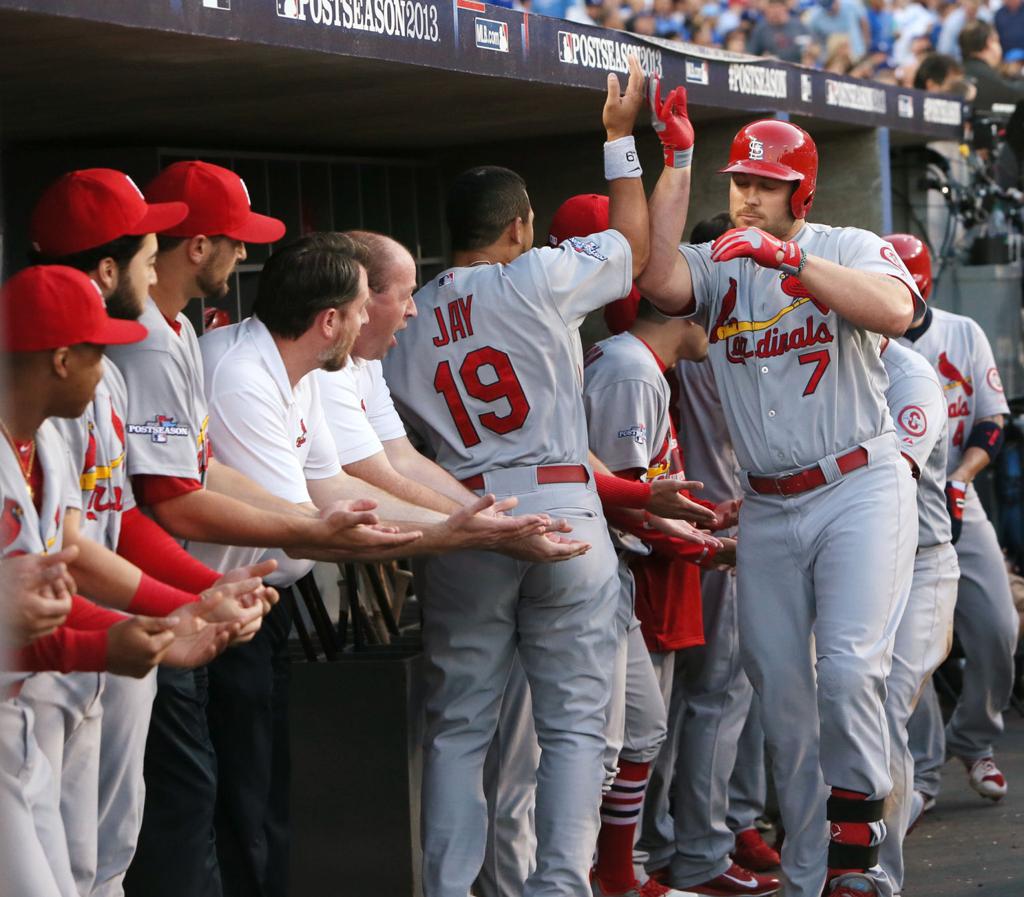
x=810 y=478
x=550 y=473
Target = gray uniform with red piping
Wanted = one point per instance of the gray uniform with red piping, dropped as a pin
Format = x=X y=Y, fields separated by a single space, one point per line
x=803 y=395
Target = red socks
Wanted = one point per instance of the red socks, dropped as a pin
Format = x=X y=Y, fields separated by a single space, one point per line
x=620 y=813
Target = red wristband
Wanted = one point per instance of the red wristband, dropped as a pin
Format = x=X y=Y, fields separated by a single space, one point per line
x=156 y=599
x=617 y=492
x=150 y=547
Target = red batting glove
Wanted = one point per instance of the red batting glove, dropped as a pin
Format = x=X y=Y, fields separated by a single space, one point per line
x=956 y=492
x=671 y=124
x=763 y=248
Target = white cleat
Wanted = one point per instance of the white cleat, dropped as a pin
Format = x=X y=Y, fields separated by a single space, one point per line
x=985 y=778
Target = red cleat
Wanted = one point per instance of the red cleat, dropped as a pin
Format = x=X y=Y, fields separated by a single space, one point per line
x=752 y=852
x=736 y=880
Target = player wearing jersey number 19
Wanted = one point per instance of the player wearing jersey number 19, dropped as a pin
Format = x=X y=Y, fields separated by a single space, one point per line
x=793 y=341
x=488 y=374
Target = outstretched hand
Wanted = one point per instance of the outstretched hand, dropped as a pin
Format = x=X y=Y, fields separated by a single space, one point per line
x=667 y=501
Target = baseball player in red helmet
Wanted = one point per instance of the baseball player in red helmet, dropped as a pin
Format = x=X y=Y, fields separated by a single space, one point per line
x=794 y=313
x=985 y=621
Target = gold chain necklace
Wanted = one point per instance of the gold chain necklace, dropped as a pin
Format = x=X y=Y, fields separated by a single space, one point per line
x=26 y=457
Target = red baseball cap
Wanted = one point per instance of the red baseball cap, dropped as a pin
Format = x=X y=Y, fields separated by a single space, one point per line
x=93 y=206
x=218 y=204
x=580 y=216
x=48 y=306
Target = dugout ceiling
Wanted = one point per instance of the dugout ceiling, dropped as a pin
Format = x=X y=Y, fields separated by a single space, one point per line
x=395 y=75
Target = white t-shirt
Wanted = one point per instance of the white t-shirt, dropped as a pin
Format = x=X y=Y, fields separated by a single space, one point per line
x=263 y=427
x=359 y=411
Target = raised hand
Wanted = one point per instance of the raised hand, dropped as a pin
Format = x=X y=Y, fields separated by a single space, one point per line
x=621 y=109
x=138 y=644
x=666 y=501
x=671 y=123
x=727 y=514
x=762 y=247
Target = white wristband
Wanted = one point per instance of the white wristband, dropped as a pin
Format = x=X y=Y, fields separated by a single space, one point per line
x=621 y=159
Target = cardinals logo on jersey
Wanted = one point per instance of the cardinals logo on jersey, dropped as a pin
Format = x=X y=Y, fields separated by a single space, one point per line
x=300 y=440
x=12 y=517
x=953 y=375
x=763 y=339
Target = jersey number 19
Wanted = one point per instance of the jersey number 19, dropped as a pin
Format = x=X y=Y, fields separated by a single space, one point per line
x=506 y=386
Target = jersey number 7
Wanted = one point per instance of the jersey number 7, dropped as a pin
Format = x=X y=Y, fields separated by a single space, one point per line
x=506 y=386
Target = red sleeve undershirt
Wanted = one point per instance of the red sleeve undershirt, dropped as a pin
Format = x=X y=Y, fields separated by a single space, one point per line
x=80 y=645
x=149 y=546
x=622 y=492
x=151 y=489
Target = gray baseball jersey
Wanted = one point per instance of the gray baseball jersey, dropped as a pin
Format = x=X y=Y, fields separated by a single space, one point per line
x=23 y=530
x=359 y=410
x=918 y=410
x=786 y=364
x=627 y=398
x=480 y=373
x=264 y=427
x=167 y=415
x=96 y=441
x=960 y=352
x=704 y=434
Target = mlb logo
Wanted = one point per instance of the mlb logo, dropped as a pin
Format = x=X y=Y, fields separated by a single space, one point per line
x=565 y=47
x=491 y=35
x=446 y=279
x=806 y=88
x=905 y=106
x=756 y=151
x=218 y=4
x=696 y=72
x=290 y=9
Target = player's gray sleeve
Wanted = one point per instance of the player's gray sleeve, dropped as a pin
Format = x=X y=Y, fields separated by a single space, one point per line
x=985 y=375
x=581 y=275
x=865 y=251
x=703 y=276
x=75 y=433
x=160 y=435
x=625 y=423
x=918 y=410
x=73 y=490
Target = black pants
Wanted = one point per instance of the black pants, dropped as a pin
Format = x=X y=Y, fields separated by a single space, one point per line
x=176 y=854
x=248 y=720
x=217 y=776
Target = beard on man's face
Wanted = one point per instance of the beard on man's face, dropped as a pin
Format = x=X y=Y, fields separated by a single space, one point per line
x=124 y=303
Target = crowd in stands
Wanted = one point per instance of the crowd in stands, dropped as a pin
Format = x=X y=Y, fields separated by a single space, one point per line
x=970 y=44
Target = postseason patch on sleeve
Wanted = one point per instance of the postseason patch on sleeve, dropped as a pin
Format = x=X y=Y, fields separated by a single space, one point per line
x=587 y=246
x=637 y=433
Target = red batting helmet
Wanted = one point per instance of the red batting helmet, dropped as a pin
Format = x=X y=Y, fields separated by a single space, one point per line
x=777 y=149
x=916 y=257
